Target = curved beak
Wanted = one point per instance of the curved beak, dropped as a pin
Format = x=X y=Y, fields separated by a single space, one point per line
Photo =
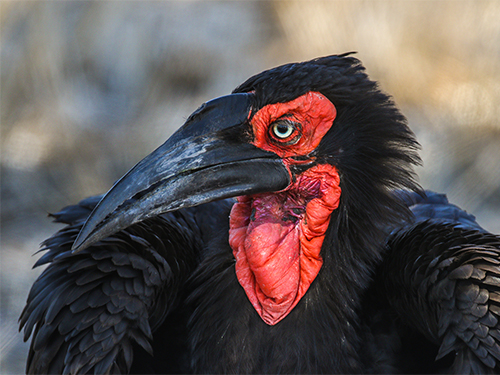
x=208 y=158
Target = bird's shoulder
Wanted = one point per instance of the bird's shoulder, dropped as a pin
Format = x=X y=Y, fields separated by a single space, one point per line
x=441 y=274
x=89 y=308
x=434 y=208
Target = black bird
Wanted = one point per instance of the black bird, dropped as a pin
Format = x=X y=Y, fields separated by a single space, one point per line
x=331 y=259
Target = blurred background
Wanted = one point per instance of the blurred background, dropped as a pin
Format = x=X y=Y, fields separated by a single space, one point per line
x=89 y=88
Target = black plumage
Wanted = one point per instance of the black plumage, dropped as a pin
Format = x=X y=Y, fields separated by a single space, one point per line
x=409 y=282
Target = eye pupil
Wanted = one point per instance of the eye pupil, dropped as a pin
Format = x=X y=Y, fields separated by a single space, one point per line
x=282 y=129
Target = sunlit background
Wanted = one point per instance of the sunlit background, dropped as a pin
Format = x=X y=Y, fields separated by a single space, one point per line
x=89 y=88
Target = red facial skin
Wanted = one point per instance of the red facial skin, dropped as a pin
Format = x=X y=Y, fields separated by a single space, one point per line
x=277 y=237
x=313 y=111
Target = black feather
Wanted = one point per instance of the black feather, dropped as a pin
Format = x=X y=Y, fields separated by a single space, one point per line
x=409 y=282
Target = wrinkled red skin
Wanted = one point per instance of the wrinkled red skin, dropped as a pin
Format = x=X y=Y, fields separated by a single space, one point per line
x=312 y=110
x=277 y=237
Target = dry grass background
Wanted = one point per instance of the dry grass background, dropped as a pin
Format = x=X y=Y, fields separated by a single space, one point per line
x=88 y=88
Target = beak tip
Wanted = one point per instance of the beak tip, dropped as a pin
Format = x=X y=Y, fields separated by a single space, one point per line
x=86 y=237
x=79 y=244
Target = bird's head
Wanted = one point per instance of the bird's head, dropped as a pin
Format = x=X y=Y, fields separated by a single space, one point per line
x=304 y=147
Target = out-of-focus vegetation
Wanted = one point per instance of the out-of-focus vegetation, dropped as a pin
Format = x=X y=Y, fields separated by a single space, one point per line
x=89 y=88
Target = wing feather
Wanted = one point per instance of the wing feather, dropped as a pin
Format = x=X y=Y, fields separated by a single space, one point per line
x=86 y=310
x=442 y=276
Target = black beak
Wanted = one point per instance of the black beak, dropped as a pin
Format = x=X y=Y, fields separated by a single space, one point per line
x=208 y=158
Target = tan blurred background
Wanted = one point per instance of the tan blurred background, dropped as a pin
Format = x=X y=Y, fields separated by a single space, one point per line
x=89 y=88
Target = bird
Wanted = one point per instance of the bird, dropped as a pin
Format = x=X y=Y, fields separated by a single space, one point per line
x=281 y=229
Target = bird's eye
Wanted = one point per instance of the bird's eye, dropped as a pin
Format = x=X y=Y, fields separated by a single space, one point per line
x=285 y=131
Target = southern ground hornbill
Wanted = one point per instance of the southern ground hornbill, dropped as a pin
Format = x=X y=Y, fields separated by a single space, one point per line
x=280 y=230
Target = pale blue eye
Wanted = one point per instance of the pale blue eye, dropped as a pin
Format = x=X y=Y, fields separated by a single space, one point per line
x=283 y=130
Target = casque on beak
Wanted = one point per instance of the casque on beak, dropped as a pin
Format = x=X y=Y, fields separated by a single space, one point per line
x=208 y=158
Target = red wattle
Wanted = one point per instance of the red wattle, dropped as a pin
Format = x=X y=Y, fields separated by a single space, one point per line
x=277 y=237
